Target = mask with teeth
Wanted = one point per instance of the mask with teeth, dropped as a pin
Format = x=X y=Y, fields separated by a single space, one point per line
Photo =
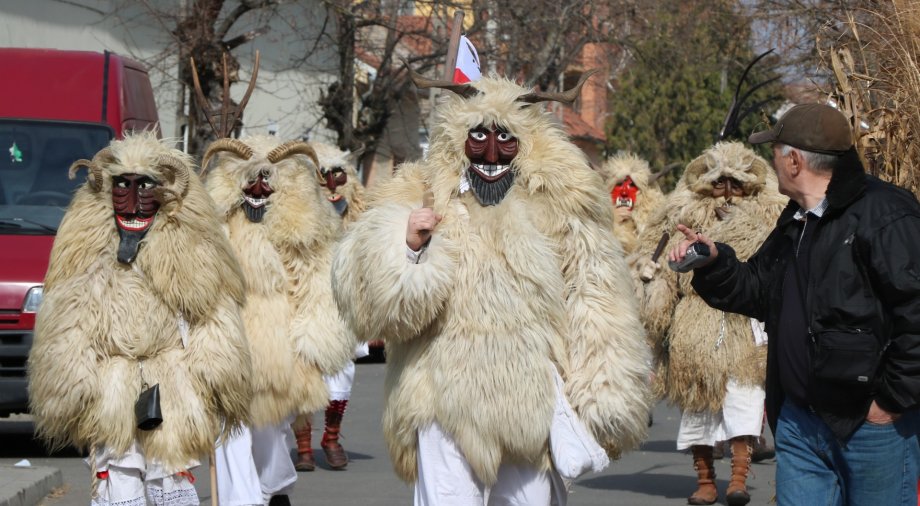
x=625 y=194
x=255 y=197
x=135 y=204
x=490 y=151
x=332 y=179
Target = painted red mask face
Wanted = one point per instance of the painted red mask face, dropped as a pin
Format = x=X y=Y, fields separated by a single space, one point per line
x=625 y=194
x=332 y=178
x=135 y=205
x=255 y=196
x=490 y=151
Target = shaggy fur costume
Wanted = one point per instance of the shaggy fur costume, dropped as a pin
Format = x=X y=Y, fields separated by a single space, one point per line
x=296 y=334
x=649 y=200
x=684 y=330
x=503 y=294
x=99 y=317
x=353 y=190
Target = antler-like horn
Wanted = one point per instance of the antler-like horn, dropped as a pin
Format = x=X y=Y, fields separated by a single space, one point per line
x=177 y=173
x=202 y=101
x=566 y=97
x=235 y=146
x=94 y=167
x=292 y=148
x=227 y=121
x=734 y=117
x=422 y=82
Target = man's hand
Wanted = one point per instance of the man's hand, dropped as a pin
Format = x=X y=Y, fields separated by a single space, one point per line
x=879 y=416
x=421 y=224
x=680 y=251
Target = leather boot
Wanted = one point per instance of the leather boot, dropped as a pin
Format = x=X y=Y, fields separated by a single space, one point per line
x=305 y=460
x=737 y=494
x=335 y=454
x=762 y=450
x=706 y=493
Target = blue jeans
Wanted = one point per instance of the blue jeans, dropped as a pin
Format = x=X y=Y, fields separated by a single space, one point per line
x=878 y=466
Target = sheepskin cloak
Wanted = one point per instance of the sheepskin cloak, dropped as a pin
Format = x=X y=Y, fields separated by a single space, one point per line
x=503 y=295
x=101 y=318
x=698 y=348
x=296 y=334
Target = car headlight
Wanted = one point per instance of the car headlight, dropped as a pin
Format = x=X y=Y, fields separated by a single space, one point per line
x=33 y=300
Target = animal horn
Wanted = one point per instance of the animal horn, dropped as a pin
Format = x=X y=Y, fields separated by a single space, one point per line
x=566 y=97
x=734 y=117
x=422 y=82
x=234 y=146
x=178 y=174
x=94 y=166
x=292 y=148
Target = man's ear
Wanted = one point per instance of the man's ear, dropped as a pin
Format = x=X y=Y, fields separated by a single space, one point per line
x=795 y=160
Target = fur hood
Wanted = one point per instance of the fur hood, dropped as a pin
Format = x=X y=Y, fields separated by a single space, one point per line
x=175 y=310
x=650 y=198
x=295 y=331
x=353 y=191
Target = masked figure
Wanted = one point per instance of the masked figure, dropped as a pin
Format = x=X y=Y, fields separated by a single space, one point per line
x=710 y=364
x=282 y=227
x=139 y=353
x=507 y=332
x=340 y=184
x=635 y=196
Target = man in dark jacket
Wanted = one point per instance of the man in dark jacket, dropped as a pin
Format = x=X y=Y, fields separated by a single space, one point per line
x=838 y=284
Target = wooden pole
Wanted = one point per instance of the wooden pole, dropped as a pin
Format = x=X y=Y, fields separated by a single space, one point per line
x=214 y=501
x=455 y=28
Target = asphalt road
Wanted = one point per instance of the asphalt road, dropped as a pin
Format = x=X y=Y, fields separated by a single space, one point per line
x=655 y=475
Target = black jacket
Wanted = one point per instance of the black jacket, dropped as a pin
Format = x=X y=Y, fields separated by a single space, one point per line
x=862 y=298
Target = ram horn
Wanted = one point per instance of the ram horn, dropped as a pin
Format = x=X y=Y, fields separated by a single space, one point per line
x=235 y=146
x=566 y=97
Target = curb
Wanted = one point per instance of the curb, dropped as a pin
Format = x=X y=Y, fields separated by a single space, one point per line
x=27 y=486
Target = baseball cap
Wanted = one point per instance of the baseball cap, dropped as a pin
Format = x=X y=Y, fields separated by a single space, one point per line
x=813 y=127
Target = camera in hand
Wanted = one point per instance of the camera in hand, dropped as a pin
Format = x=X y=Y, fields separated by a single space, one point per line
x=697 y=255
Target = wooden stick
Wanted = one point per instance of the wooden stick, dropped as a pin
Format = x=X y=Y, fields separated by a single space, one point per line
x=454 y=45
x=214 y=477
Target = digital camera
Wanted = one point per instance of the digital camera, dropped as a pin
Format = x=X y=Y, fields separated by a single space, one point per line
x=697 y=255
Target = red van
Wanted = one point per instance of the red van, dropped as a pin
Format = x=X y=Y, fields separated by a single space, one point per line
x=55 y=107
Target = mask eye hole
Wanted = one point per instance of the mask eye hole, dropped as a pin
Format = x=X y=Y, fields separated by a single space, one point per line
x=477 y=135
x=146 y=185
x=121 y=183
x=504 y=137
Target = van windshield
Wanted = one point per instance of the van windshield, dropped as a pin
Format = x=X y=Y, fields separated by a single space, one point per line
x=34 y=159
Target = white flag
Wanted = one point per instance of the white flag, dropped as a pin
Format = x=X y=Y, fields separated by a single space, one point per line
x=467 y=68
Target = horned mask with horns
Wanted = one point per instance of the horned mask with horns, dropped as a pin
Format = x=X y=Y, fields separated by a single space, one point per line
x=257 y=168
x=144 y=177
x=498 y=112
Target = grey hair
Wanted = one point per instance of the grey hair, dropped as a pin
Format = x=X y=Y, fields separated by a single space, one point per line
x=818 y=162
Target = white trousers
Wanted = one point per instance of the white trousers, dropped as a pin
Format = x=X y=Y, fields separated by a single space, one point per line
x=446 y=479
x=340 y=384
x=741 y=415
x=254 y=465
x=131 y=480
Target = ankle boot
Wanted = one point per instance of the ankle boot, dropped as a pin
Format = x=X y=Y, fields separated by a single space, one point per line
x=335 y=454
x=305 y=460
x=706 y=492
x=737 y=494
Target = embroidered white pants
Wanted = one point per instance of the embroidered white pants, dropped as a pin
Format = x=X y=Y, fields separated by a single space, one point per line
x=131 y=480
